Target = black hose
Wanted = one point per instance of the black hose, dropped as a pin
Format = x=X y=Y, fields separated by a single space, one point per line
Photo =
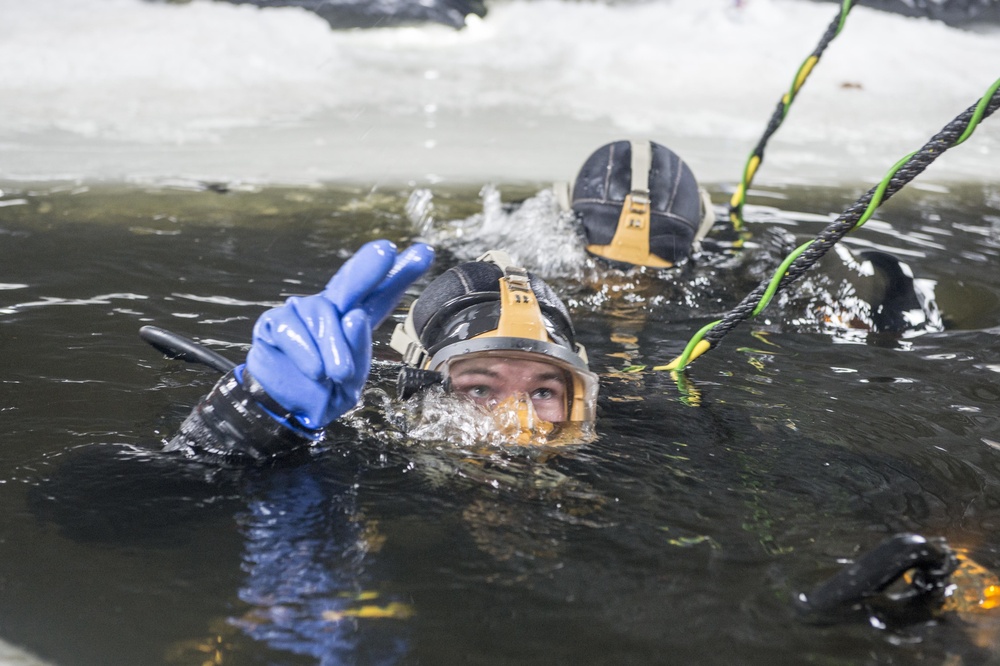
x=184 y=349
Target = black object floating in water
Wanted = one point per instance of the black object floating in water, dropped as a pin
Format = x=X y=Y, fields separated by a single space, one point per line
x=864 y=585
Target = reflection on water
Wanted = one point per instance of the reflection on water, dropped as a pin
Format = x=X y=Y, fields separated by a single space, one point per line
x=407 y=536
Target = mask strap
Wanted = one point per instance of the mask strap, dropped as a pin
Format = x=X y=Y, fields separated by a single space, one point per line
x=406 y=341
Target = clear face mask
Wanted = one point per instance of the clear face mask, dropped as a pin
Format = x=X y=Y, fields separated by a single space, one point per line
x=517 y=421
x=448 y=420
x=558 y=390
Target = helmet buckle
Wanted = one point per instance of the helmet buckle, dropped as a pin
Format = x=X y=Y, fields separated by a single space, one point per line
x=639 y=202
x=415 y=355
x=517 y=279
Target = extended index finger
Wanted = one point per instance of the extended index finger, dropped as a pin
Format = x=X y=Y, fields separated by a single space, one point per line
x=361 y=274
x=409 y=265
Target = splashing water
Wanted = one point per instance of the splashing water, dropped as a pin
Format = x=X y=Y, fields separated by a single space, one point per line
x=437 y=418
x=538 y=233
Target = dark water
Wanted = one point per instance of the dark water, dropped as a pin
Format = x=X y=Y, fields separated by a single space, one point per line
x=681 y=535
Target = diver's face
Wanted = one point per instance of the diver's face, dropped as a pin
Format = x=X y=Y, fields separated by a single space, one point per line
x=488 y=381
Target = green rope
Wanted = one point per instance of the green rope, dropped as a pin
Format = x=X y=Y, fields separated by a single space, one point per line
x=757 y=156
x=803 y=257
x=772 y=286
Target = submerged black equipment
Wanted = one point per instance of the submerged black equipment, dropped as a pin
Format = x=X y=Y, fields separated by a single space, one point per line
x=640 y=204
x=928 y=564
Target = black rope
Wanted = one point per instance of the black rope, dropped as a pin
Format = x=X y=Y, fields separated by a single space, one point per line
x=848 y=220
x=781 y=110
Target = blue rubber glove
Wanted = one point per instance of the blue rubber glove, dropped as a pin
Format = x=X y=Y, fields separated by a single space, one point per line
x=312 y=354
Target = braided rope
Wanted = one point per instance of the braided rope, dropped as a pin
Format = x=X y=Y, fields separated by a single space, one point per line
x=757 y=156
x=807 y=254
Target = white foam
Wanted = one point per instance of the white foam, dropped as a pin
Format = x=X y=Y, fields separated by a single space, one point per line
x=124 y=89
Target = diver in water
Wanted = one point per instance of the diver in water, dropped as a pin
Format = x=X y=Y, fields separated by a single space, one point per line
x=492 y=336
x=486 y=330
x=493 y=332
x=639 y=204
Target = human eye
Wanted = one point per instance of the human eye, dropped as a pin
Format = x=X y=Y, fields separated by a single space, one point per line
x=543 y=393
x=478 y=391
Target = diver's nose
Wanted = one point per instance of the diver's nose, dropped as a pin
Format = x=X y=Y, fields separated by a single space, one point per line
x=516 y=417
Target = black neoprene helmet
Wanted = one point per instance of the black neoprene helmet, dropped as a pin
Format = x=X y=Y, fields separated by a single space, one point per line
x=492 y=308
x=613 y=186
x=464 y=302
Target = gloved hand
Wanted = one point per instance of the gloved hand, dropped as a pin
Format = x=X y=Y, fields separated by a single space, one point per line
x=312 y=354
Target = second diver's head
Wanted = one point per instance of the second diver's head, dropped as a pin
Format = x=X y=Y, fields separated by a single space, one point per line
x=640 y=204
x=499 y=336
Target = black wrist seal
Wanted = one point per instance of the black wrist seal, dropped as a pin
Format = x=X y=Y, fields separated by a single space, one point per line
x=231 y=424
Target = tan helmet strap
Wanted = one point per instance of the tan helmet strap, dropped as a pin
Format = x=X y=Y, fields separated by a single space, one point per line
x=498 y=257
x=630 y=243
x=707 y=218
x=520 y=314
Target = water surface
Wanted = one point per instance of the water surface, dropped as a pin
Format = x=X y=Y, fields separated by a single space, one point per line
x=680 y=535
